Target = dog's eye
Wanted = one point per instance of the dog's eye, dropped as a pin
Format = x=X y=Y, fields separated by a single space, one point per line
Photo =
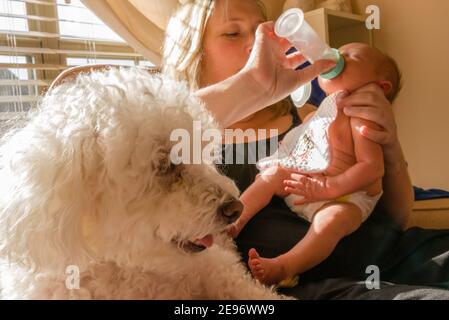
x=211 y=200
x=211 y=197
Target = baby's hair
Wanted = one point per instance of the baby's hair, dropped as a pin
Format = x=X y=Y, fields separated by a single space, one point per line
x=390 y=69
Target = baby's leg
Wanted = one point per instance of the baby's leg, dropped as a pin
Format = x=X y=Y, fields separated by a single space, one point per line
x=259 y=194
x=330 y=224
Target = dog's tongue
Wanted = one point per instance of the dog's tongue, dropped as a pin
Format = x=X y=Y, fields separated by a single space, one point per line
x=207 y=241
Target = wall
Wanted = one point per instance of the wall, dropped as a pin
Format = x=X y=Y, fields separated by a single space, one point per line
x=416 y=34
x=274 y=8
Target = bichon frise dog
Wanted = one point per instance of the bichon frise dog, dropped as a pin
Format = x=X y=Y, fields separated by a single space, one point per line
x=91 y=207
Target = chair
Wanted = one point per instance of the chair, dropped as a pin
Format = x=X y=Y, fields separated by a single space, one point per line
x=71 y=73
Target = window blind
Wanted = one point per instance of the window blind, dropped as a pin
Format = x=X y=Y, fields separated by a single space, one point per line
x=41 y=38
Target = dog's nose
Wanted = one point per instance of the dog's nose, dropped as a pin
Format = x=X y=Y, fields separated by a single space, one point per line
x=231 y=210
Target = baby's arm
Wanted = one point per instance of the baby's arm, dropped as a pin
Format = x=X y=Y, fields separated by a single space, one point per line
x=368 y=169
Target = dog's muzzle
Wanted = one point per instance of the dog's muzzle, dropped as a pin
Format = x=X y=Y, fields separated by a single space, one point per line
x=195 y=246
x=231 y=210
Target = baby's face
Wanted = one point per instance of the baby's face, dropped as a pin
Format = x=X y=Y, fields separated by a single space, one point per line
x=361 y=61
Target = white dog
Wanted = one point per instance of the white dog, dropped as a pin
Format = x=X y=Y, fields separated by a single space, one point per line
x=91 y=207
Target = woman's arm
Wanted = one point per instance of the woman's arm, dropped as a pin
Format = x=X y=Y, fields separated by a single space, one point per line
x=306 y=112
x=369 y=103
x=232 y=99
x=268 y=77
x=398 y=190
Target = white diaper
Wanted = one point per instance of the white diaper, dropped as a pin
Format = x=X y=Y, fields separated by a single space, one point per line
x=307 y=211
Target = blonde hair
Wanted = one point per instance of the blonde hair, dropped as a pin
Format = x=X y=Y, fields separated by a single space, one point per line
x=183 y=46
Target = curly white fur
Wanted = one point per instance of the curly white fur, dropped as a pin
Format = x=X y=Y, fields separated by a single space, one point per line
x=87 y=181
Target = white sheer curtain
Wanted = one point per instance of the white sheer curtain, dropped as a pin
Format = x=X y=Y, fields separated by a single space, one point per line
x=140 y=23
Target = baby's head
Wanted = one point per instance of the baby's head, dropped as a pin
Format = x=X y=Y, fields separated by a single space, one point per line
x=363 y=65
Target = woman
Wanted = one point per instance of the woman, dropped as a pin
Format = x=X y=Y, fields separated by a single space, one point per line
x=233 y=62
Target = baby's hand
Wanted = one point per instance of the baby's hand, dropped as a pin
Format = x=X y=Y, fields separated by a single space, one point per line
x=310 y=188
x=234 y=229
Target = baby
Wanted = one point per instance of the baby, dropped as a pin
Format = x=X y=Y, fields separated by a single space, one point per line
x=339 y=198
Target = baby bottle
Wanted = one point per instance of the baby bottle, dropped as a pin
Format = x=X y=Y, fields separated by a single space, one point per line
x=292 y=25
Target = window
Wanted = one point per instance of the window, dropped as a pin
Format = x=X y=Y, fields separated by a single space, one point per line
x=11 y=13
x=18 y=88
x=18 y=73
x=41 y=38
x=86 y=25
x=80 y=61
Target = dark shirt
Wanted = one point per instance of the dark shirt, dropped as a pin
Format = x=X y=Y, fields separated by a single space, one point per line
x=245 y=173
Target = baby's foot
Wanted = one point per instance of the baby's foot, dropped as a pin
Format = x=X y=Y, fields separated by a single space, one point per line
x=267 y=271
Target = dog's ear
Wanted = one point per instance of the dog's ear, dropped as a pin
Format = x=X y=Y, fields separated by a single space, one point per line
x=164 y=168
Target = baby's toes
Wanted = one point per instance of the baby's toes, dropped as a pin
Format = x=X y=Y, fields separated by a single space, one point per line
x=252 y=254
x=259 y=274
x=255 y=264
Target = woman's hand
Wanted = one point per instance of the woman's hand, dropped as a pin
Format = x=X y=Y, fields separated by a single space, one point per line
x=370 y=103
x=273 y=71
x=267 y=77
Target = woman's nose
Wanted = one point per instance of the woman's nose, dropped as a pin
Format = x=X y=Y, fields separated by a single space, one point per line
x=249 y=49
x=250 y=44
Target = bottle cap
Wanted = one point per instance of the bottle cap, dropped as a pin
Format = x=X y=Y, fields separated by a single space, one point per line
x=289 y=23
